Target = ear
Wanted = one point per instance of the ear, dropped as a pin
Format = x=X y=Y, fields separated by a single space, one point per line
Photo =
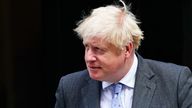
x=129 y=49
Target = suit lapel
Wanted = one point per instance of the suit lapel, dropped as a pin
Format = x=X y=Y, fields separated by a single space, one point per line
x=144 y=85
x=91 y=94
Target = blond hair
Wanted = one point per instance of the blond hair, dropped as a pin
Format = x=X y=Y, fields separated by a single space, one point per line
x=114 y=24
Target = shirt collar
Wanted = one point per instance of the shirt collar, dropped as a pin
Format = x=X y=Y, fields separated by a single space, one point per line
x=129 y=78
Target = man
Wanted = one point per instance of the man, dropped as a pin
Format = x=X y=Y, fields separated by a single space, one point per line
x=111 y=37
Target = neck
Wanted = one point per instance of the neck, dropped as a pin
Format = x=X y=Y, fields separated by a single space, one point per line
x=125 y=69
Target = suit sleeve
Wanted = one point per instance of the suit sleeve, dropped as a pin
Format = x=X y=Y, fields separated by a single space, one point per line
x=185 y=88
x=60 y=102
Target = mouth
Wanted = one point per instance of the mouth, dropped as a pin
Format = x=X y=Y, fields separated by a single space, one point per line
x=94 y=68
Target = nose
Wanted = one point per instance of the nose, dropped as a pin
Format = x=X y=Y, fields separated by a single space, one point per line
x=89 y=56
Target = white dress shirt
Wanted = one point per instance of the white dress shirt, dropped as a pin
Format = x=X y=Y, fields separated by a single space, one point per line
x=126 y=94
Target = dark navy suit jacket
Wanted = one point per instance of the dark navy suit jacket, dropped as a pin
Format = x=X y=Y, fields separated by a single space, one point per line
x=158 y=85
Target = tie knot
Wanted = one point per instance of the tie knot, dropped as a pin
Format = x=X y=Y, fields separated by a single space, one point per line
x=117 y=88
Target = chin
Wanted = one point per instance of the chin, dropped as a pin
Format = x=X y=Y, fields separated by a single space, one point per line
x=94 y=75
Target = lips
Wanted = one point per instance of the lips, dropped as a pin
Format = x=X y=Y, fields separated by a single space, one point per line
x=92 y=68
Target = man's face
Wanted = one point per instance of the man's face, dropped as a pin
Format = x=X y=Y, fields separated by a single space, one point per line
x=103 y=60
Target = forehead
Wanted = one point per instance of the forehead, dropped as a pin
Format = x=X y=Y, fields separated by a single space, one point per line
x=95 y=41
x=102 y=43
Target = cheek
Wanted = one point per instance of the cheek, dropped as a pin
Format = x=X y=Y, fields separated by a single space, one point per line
x=118 y=61
x=113 y=63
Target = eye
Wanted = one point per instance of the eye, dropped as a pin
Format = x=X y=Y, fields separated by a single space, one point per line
x=86 y=46
x=98 y=50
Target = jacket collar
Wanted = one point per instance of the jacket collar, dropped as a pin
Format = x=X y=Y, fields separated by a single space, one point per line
x=144 y=85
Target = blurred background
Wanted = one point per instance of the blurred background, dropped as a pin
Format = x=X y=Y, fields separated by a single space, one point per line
x=38 y=45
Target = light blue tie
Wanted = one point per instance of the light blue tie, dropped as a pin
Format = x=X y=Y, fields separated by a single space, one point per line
x=116 y=100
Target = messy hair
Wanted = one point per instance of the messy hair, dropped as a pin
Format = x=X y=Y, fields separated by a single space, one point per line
x=113 y=23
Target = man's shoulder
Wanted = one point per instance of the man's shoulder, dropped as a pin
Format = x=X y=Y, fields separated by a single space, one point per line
x=72 y=83
x=164 y=65
x=167 y=73
x=160 y=65
x=77 y=76
x=166 y=68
